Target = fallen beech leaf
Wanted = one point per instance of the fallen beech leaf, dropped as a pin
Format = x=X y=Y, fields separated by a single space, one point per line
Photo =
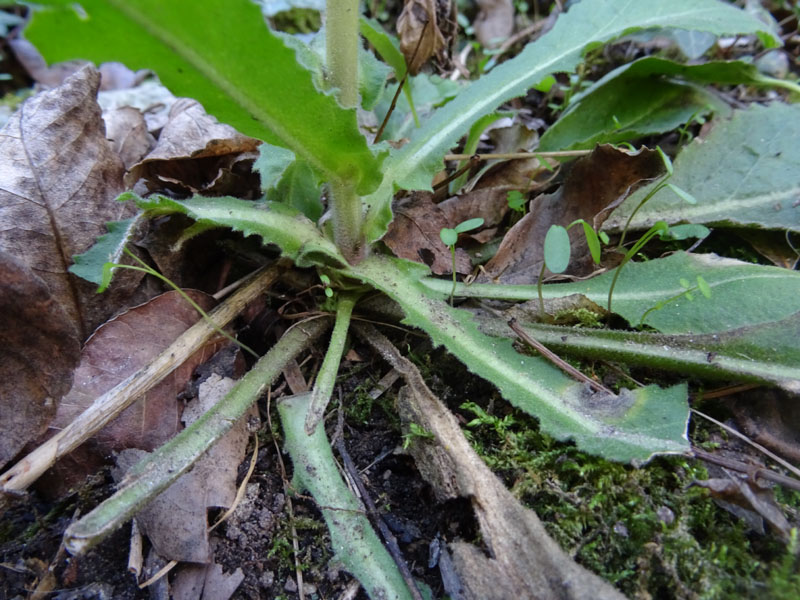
x=197 y=154
x=414 y=235
x=58 y=186
x=119 y=348
x=426 y=29
x=39 y=348
x=593 y=187
x=495 y=22
x=175 y=521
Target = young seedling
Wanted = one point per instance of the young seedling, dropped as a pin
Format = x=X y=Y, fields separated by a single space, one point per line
x=681 y=193
x=557 y=251
x=701 y=286
x=517 y=202
x=450 y=237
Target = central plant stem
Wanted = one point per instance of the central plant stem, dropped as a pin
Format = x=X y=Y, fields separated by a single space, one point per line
x=341 y=47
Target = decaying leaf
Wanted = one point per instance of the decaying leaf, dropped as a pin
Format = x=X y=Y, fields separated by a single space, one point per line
x=414 y=235
x=126 y=129
x=175 y=521
x=523 y=561
x=770 y=418
x=39 y=348
x=197 y=154
x=58 y=184
x=495 y=22
x=593 y=187
x=119 y=348
x=426 y=29
x=205 y=582
x=750 y=496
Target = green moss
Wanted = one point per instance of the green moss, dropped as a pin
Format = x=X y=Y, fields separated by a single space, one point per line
x=643 y=529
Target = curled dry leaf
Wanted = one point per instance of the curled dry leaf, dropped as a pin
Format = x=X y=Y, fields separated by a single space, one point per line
x=592 y=188
x=197 y=154
x=414 y=235
x=58 y=186
x=495 y=22
x=426 y=29
x=39 y=348
x=206 y=582
x=118 y=349
x=126 y=129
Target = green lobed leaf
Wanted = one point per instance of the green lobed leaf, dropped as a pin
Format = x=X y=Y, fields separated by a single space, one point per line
x=586 y=24
x=107 y=249
x=765 y=353
x=745 y=172
x=632 y=426
x=743 y=294
x=276 y=223
x=650 y=95
x=222 y=53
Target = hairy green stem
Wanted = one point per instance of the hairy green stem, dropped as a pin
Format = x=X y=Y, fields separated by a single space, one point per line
x=347 y=216
x=341 y=48
x=326 y=379
x=156 y=472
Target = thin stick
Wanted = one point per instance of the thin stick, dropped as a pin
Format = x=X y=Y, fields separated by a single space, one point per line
x=753 y=470
x=117 y=399
x=556 y=360
x=518 y=155
x=400 y=87
x=786 y=465
x=473 y=160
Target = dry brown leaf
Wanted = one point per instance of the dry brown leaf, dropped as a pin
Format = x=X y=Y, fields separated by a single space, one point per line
x=205 y=582
x=489 y=198
x=39 y=348
x=426 y=29
x=58 y=186
x=771 y=418
x=126 y=129
x=495 y=22
x=414 y=235
x=593 y=186
x=523 y=561
x=197 y=154
x=750 y=496
x=121 y=347
x=175 y=521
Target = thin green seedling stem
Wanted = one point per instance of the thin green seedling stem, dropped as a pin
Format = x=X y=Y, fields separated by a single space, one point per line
x=145 y=268
x=663 y=303
x=453 y=255
x=539 y=291
x=661 y=185
x=655 y=230
x=326 y=378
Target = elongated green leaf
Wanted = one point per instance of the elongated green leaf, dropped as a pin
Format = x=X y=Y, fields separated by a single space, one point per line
x=742 y=294
x=766 y=353
x=630 y=427
x=221 y=53
x=276 y=223
x=586 y=24
x=650 y=95
x=746 y=172
x=352 y=536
